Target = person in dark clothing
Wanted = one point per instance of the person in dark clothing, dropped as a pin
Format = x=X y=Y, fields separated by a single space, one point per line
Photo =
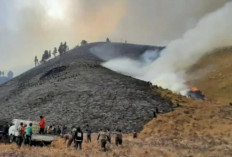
x=58 y=130
x=78 y=137
x=154 y=115
x=118 y=138
x=88 y=135
x=5 y=132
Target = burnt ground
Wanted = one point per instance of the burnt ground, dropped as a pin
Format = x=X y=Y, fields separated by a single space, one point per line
x=74 y=89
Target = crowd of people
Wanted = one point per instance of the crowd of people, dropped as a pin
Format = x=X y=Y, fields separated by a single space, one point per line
x=75 y=135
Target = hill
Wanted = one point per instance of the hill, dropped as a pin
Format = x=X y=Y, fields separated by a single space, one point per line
x=4 y=79
x=74 y=89
x=213 y=75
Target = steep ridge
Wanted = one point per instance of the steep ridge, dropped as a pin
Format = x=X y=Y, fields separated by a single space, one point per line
x=74 y=89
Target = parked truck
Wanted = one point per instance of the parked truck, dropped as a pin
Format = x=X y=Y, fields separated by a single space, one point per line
x=36 y=138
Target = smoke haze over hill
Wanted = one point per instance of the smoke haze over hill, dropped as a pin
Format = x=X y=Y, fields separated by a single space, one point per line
x=33 y=26
x=169 y=70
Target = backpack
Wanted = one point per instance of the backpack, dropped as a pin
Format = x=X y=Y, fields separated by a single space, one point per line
x=79 y=134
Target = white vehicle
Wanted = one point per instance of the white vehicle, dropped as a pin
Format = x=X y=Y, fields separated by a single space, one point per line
x=36 y=138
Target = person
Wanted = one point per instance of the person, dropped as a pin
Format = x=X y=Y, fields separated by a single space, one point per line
x=53 y=129
x=20 y=135
x=118 y=138
x=63 y=129
x=73 y=131
x=102 y=136
x=88 y=135
x=154 y=115
x=58 y=130
x=68 y=137
x=5 y=132
x=24 y=132
x=78 y=137
x=49 y=129
x=108 y=135
x=42 y=125
x=135 y=135
x=28 y=134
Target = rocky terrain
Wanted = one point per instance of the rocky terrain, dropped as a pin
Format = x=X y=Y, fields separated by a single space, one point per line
x=74 y=89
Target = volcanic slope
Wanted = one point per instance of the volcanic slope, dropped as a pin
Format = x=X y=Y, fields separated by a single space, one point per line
x=74 y=89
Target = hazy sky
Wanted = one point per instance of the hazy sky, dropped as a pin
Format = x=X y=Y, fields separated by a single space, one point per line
x=28 y=27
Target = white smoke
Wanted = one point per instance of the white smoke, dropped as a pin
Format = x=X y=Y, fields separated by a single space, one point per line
x=169 y=70
x=133 y=67
x=212 y=31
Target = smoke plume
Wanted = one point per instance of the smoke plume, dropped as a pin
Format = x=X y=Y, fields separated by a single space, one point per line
x=169 y=70
x=29 y=27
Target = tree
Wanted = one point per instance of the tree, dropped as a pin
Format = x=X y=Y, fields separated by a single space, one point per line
x=45 y=56
x=0 y=73
x=36 y=61
x=60 y=49
x=83 y=42
x=65 y=47
x=49 y=54
x=107 y=40
x=54 y=52
x=10 y=74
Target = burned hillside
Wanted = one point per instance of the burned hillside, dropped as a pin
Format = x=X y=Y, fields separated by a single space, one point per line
x=74 y=89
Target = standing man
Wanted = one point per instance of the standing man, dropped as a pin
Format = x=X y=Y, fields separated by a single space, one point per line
x=118 y=138
x=108 y=133
x=78 y=137
x=28 y=134
x=41 y=125
x=20 y=135
x=88 y=135
x=103 y=139
x=5 y=132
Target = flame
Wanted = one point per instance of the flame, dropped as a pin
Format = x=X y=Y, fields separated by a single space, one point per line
x=194 y=89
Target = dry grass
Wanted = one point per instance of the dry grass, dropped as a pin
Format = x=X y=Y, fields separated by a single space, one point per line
x=131 y=148
x=213 y=75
